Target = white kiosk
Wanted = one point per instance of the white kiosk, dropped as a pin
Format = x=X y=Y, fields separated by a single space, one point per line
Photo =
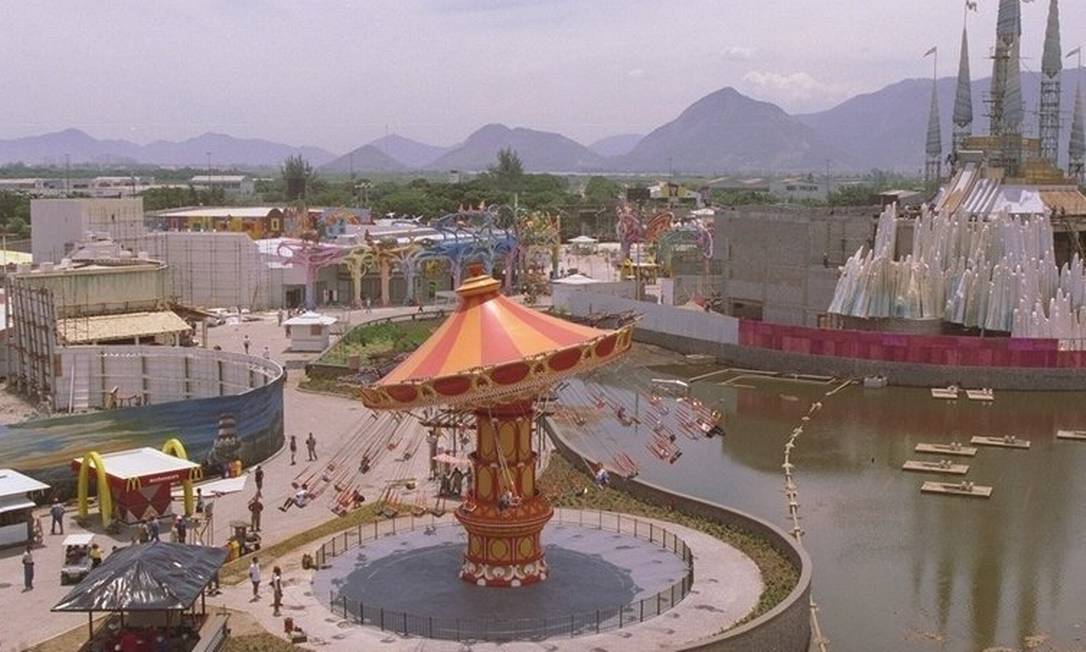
x=309 y=331
x=16 y=507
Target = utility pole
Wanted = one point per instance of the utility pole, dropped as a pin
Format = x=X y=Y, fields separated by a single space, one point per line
x=209 y=178
x=67 y=175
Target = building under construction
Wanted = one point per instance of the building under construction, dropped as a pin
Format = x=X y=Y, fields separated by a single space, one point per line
x=1006 y=170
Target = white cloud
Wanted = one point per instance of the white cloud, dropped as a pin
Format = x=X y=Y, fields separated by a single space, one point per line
x=738 y=53
x=797 y=90
x=636 y=73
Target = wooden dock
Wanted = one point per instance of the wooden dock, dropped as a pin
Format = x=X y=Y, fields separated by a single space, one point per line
x=1073 y=435
x=948 y=393
x=980 y=394
x=957 y=489
x=935 y=467
x=946 y=449
x=1000 y=442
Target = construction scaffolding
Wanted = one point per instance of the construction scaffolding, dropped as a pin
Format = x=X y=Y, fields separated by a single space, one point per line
x=215 y=270
x=31 y=336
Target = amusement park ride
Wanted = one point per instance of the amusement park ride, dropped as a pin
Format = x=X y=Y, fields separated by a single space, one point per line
x=667 y=237
x=450 y=242
x=494 y=359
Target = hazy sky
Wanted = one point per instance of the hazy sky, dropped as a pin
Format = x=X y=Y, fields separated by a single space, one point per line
x=338 y=74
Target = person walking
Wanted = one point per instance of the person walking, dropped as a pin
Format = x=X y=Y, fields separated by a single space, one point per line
x=181 y=528
x=277 y=590
x=199 y=500
x=293 y=448
x=57 y=512
x=245 y=343
x=258 y=476
x=267 y=353
x=95 y=555
x=255 y=509
x=28 y=570
x=152 y=530
x=254 y=577
x=311 y=447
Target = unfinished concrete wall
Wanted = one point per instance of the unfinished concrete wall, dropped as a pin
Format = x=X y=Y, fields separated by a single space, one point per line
x=155 y=374
x=214 y=270
x=781 y=263
x=57 y=224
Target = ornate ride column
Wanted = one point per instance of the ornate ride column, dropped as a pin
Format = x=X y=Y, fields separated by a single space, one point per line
x=504 y=548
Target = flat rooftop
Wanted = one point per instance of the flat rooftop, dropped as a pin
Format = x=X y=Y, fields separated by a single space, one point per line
x=140 y=462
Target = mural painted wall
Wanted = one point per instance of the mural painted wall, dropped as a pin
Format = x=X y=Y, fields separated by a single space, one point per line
x=44 y=448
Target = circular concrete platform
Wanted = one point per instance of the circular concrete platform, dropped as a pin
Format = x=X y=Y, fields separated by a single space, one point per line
x=598 y=580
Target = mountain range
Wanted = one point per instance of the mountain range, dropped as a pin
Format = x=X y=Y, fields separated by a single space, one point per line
x=723 y=132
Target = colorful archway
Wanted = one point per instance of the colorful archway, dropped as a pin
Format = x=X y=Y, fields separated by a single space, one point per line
x=105 y=499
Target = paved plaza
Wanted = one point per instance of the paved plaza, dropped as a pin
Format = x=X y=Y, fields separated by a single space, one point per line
x=331 y=419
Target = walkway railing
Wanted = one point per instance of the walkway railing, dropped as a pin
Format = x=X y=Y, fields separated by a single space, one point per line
x=503 y=629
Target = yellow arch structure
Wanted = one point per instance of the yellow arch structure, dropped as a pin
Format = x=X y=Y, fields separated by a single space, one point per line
x=105 y=498
x=177 y=449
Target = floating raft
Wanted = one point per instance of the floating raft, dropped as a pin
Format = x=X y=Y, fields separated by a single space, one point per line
x=935 y=467
x=1074 y=435
x=946 y=449
x=956 y=489
x=1000 y=442
x=980 y=394
x=950 y=393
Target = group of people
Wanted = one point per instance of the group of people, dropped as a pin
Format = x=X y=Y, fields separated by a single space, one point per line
x=276 y=584
x=451 y=484
x=310 y=448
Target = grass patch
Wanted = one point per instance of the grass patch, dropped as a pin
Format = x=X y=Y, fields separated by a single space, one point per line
x=562 y=479
x=235 y=571
x=374 y=342
x=332 y=386
x=260 y=643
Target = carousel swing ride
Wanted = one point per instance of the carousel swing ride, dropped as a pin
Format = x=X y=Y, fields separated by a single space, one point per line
x=497 y=361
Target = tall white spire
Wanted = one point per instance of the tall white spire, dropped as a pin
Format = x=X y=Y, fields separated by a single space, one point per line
x=933 y=146
x=1051 y=67
x=1077 y=150
x=963 y=100
x=1007 y=110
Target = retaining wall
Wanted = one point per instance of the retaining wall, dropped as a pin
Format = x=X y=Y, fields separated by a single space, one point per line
x=905 y=359
x=786 y=627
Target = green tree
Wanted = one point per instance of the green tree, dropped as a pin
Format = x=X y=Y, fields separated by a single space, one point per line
x=298 y=176
x=509 y=171
x=601 y=190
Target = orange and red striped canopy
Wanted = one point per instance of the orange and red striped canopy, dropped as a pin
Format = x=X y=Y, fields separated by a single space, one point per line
x=486 y=330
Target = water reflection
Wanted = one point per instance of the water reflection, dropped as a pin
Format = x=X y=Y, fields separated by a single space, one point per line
x=894 y=569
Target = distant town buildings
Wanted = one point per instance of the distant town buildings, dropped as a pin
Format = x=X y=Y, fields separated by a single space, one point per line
x=95 y=187
x=233 y=185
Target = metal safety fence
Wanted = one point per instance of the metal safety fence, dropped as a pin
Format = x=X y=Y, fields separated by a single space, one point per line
x=505 y=629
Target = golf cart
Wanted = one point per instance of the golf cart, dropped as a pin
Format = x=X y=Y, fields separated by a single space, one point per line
x=77 y=560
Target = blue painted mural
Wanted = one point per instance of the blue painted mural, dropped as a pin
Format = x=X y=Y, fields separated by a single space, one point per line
x=43 y=448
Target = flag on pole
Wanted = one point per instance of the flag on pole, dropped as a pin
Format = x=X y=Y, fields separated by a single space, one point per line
x=971 y=5
x=932 y=51
x=1073 y=53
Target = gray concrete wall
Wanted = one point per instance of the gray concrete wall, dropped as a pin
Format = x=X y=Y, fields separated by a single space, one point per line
x=56 y=224
x=786 y=258
x=692 y=324
x=784 y=628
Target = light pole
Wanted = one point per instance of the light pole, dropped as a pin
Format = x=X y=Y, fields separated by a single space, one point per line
x=209 y=177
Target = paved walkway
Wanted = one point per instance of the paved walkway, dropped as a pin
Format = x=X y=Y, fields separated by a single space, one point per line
x=333 y=420
x=727 y=586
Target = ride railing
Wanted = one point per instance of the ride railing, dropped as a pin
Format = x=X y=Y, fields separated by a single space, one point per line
x=505 y=629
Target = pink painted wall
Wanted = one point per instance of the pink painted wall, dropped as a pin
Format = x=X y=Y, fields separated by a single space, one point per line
x=921 y=349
